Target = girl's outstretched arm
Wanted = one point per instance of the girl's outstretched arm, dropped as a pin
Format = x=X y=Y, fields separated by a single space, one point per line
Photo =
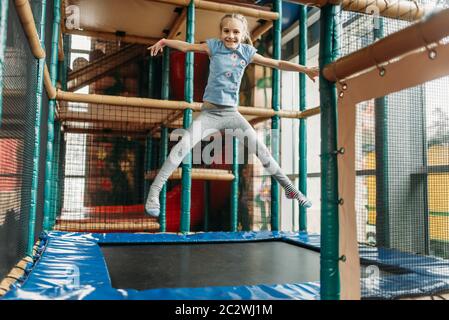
x=311 y=72
x=178 y=45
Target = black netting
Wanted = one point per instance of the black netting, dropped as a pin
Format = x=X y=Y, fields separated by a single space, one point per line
x=49 y=16
x=103 y=183
x=402 y=184
x=108 y=67
x=401 y=178
x=359 y=30
x=16 y=143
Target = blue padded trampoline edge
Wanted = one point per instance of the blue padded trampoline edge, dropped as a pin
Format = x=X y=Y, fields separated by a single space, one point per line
x=65 y=253
x=63 y=248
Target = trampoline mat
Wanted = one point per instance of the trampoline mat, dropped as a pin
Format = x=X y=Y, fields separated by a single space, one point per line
x=149 y=266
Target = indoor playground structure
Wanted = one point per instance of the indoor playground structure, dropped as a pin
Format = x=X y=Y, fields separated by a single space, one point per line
x=87 y=117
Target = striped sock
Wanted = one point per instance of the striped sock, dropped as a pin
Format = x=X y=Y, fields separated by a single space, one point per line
x=292 y=193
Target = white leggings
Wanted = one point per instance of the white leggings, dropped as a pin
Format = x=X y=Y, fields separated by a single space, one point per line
x=216 y=118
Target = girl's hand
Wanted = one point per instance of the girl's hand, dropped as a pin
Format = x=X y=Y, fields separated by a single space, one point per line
x=312 y=73
x=158 y=46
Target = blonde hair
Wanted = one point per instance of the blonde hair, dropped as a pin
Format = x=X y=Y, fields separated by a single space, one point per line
x=242 y=19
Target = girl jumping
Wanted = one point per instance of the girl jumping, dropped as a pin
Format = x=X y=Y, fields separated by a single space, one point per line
x=229 y=57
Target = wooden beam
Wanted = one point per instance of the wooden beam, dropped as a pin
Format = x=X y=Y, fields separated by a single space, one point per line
x=401 y=9
x=310 y=112
x=260 y=30
x=197 y=174
x=112 y=36
x=99 y=68
x=25 y=14
x=258 y=120
x=107 y=132
x=165 y=104
x=225 y=8
x=177 y=25
x=421 y=34
x=91 y=225
x=171 y=118
x=51 y=91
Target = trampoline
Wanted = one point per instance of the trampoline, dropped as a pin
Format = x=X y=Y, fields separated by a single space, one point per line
x=149 y=266
x=213 y=265
x=210 y=266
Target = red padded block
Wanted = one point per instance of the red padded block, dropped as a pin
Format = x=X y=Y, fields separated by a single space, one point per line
x=196 y=207
x=177 y=75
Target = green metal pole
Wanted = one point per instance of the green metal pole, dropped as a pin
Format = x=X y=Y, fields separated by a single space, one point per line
x=37 y=127
x=163 y=194
x=329 y=272
x=149 y=141
x=164 y=137
x=67 y=45
x=206 y=205
x=49 y=178
x=151 y=77
x=188 y=96
x=302 y=122
x=235 y=185
x=60 y=150
x=55 y=174
x=275 y=120
x=61 y=173
x=165 y=92
x=381 y=132
x=148 y=162
x=3 y=30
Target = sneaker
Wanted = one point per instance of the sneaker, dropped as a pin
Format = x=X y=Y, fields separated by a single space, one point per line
x=292 y=193
x=152 y=207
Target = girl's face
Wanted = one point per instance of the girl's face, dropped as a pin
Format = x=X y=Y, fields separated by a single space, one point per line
x=231 y=33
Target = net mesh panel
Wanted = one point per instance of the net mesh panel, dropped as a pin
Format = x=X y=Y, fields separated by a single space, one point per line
x=103 y=147
x=358 y=28
x=104 y=166
x=437 y=131
x=402 y=176
x=49 y=16
x=16 y=143
x=290 y=97
x=107 y=137
x=401 y=162
x=254 y=211
x=108 y=67
x=313 y=147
